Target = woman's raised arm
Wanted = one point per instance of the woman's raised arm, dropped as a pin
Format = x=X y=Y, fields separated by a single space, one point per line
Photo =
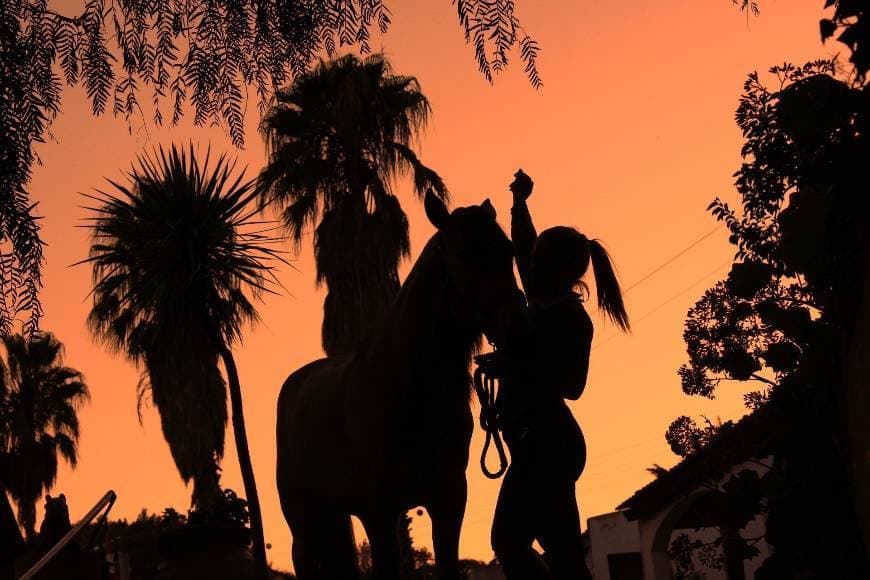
x=523 y=232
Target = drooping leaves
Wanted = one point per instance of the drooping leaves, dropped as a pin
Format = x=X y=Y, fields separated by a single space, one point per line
x=174 y=56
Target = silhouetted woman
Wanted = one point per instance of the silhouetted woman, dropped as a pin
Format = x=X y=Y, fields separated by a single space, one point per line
x=546 y=364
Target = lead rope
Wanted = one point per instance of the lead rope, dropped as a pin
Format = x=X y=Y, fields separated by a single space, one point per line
x=486 y=388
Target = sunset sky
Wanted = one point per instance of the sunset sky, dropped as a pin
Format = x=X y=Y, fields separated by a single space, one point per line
x=630 y=139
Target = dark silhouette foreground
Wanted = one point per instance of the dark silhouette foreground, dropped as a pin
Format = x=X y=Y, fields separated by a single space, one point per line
x=545 y=362
x=387 y=429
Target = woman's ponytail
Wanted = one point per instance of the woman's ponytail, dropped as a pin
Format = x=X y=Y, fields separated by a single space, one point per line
x=609 y=293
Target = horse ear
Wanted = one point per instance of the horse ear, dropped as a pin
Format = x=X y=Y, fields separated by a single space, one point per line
x=436 y=211
x=488 y=207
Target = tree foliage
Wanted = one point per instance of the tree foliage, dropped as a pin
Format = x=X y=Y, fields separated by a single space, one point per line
x=161 y=58
x=175 y=255
x=39 y=402
x=338 y=139
x=785 y=315
x=759 y=323
x=848 y=18
x=178 y=257
x=685 y=437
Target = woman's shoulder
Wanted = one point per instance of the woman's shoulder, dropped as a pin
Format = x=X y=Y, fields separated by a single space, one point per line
x=567 y=308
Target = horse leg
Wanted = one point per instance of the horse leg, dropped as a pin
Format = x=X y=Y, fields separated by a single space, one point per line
x=382 y=530
x=340 y=557
x=323 y=544
x=305 y=558
x=447 y=513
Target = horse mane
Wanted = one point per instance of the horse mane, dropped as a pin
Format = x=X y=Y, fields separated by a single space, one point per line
x=421 y=303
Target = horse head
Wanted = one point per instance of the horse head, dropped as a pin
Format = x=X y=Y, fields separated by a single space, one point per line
x=477 y=262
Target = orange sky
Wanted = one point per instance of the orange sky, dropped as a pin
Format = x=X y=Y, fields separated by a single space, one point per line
x=630 y=139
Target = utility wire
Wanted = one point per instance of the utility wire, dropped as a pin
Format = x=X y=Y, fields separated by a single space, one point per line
x=666 y=302
x=670 y=260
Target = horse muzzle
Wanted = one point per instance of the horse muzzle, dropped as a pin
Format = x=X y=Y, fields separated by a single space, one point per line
x=503 y=318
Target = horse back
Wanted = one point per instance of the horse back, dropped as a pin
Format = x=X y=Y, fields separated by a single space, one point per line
x=311 y=441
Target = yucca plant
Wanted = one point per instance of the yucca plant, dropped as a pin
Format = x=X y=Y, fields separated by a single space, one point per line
x=177 y=257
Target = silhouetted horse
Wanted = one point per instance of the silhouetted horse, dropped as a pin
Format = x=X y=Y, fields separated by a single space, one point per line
x=388 y=429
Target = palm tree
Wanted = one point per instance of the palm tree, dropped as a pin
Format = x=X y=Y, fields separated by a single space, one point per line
x=338 y=138
x=39 y=399
x=175 y=257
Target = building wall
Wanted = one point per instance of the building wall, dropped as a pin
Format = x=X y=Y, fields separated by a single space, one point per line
x=647 y=531
x=610 y=534
x=656 y=533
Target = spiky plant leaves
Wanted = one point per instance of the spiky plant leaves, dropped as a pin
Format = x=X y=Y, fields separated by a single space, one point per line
x=177 y=257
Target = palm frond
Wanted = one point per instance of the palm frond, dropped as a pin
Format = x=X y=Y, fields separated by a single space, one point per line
x=338 y=140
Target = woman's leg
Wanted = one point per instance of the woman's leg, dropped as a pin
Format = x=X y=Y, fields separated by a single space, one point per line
x=513 y=527
x=560 y=532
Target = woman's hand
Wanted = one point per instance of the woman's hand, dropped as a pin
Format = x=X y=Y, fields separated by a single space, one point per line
x=522 y=185
x=492 y=363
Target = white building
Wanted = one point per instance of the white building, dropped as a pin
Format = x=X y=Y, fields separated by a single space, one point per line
x=633 y=542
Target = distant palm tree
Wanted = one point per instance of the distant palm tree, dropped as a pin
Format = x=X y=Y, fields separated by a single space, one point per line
x=39 y=399
x=338 y=138
x=175 y=256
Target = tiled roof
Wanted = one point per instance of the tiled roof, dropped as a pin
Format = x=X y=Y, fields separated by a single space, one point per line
x=746 y=439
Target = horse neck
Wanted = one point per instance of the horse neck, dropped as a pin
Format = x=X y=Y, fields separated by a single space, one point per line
x=421 y=334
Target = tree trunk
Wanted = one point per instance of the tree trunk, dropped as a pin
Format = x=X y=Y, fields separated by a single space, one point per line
x=27 y=517
x=11 y=542
x=241 y=437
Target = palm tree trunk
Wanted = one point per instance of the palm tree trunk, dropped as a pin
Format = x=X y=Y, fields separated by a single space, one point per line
x=259 y=544
x=27 y=517
x=10 y=536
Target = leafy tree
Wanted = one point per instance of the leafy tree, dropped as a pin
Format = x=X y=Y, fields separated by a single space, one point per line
x=39 y=400
x=169 y=55
x=175 y=257
x=786 y=315
x=849 y=19
x=338 y=137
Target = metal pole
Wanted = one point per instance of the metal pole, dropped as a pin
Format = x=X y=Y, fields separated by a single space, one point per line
x=107 y=500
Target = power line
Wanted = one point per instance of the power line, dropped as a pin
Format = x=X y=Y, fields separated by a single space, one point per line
x=666 y=302
x=629 y=449
x=692 y=285
x=670 y=260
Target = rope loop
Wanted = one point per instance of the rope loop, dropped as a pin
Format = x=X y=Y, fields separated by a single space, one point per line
x=486 y=387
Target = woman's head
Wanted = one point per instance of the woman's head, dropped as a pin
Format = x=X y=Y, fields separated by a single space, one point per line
x=560 y=260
